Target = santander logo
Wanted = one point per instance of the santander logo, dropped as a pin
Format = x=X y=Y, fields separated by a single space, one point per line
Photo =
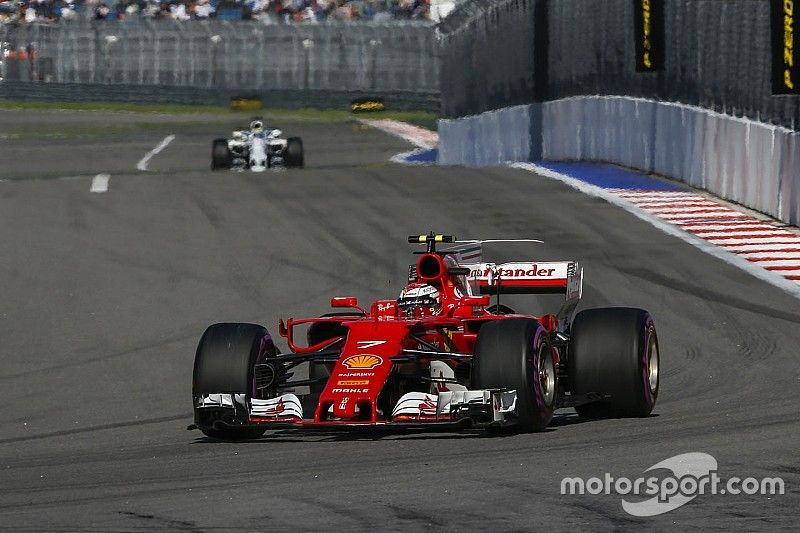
x=519 y=270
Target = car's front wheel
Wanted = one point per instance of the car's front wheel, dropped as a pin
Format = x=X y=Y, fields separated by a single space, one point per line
x=293 y=155
x=224 y=364
x=515 y=354
x=220 y=155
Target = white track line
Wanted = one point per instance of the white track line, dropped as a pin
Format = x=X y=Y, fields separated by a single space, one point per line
x=612 y=197
x=100 y=183
x=775 y=261
x=732 y=226
x=756 y=240
x=676 y=205
x=750 y=234
x=763 y=247
x=722 y=214
x=653 y=195
x=143 y=162
x=774 y=255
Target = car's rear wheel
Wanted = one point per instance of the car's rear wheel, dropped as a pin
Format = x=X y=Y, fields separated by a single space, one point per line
x=220 y=155
x=516 y=354
x=224 y=364
x=614 y=353
x=293 y=155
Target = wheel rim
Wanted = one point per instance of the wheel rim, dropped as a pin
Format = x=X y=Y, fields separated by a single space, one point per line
x=547 y=375
x=652 y=365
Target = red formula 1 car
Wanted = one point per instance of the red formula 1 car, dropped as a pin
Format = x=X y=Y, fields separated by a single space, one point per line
x=439 y=356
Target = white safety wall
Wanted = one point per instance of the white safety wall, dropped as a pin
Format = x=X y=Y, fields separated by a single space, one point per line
x=491 y=138
x=752 y=163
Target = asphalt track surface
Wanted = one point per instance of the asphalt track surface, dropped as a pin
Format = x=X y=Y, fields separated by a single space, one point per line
x=104 y=297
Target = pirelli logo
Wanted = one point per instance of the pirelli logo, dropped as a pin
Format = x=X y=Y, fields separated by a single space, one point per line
x=648 y=25
x=352 y=382
x=785 y=74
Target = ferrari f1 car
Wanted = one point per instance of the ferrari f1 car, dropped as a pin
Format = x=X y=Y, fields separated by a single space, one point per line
x=439 y=356
x=256 y=149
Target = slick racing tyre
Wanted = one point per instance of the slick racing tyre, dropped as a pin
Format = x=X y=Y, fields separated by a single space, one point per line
x=614 y=352
x=293 y=155
x=225 y=363
x=515 y=354
x=220 y=155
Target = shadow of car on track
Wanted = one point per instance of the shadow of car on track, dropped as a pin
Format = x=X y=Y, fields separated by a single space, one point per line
x=373 y=434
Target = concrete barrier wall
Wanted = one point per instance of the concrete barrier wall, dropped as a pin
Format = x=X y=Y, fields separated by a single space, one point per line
x=754 y=164
x=494 y=137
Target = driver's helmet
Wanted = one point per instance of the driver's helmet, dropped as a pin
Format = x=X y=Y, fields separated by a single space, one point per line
x=418 y=300
x=257 y=125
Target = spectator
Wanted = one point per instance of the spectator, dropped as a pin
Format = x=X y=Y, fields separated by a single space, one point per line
x=30 y=13
x=101 y=11
x=178 y=11
x=130 y=9
x=67 y=11
x=203 y=9
x=265 y=11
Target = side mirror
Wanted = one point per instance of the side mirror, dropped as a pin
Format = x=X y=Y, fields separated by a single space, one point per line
x=348 y=301
x=476 y=301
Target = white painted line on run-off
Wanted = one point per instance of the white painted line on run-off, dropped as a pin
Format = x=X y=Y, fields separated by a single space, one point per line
x=100 y=183
x=143 y=162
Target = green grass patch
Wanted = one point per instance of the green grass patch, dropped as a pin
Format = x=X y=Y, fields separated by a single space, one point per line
x=110 y=106
x=425 y=119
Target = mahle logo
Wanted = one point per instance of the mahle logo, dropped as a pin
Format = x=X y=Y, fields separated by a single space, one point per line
x=692 y=474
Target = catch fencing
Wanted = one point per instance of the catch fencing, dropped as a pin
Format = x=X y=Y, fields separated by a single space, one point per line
x=397 y=56
x=716 y=55
x=489 y=56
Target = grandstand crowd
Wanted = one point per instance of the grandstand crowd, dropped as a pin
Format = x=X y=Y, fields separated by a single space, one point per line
x=267 y=11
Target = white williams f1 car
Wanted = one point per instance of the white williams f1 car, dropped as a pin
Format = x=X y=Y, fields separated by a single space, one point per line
x=256 y=149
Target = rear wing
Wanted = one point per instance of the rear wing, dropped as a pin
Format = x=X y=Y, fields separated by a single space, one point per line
x=561 y=277
x=525 y=277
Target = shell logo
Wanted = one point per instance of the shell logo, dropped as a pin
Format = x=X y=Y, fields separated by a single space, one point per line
x=361 y=362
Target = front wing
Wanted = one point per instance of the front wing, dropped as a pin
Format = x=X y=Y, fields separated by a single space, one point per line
x=415 y=410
